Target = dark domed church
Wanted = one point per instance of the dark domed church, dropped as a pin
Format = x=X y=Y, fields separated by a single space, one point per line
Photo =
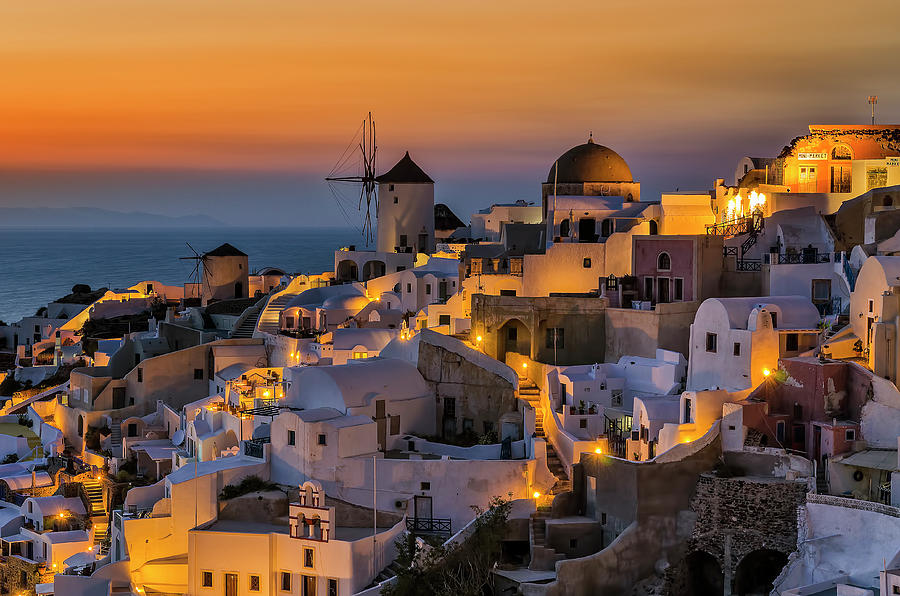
x=590 y=170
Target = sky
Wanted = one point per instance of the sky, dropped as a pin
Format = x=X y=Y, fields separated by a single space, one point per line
x=239 y=109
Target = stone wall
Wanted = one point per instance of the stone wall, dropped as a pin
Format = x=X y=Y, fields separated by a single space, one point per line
x=736 y=516
x=481 y=395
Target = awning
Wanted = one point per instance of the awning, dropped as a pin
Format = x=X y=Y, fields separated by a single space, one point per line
x=15 y=538
x=877 y=459
x=80 y=559
x=24 y=481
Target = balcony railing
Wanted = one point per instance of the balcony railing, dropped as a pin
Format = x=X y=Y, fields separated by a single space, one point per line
x=428 y=525
x=803 y=258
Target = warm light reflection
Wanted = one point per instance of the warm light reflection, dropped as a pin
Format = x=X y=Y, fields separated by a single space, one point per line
x=598 y=451
x=536 y=495
x=766 y=372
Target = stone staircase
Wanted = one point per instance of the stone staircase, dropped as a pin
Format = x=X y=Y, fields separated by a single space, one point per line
x=387 y=573
x=94 y=491
x=115 y=439
x=247 y=324
x=270 y=318
x=543 y=557
x=563 y=484
x=528 y=391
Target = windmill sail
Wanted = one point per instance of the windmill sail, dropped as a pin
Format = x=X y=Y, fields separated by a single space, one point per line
x=356 y=166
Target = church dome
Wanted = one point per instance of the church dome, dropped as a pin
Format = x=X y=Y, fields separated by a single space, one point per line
x=590 y=162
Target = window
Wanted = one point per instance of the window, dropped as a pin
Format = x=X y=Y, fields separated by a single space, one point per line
x=402 y=239
x=564 y=228
x=606 y=227
x=396 y=200
x=850 y=434
x=791 y=342
x=427 y=289
x=254 y=583
x=391 y=187
x=285 y=581
x=360 y=355
x=512 y=333
x=663 y=262
x=140 y=375
x=737 y=348
x=332 y=587
x=841 y=152
x=582 y=423
x=774 y=316
x=556 y=338
x=840 y=178
x=679 y=289
x=711 y=339
x=206 y=579
x=612 y=282
x=198 y=374
x=507 y=292
x=779 y=431
x=687 y=412
x=821 y=290
x=289 y=322
x=876 y=178
x=309 y=558
x=586 y=263
x=443 y=319
x=617 y=397
x=871 y=306
x=292 y=438
x=425 y=486
x=648 y=288
x=409 y=288
x=321 y=439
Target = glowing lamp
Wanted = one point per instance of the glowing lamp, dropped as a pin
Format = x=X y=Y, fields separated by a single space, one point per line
x=524 y=365
x=598 y=451
x=266 y=393
x=536 y=495
x=478 y=339
x=766 y=372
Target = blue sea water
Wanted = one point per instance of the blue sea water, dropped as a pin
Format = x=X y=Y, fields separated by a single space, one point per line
x=39 y=265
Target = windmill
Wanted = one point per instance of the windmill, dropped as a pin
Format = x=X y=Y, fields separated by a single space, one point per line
x=358 y=171
x=199 y=259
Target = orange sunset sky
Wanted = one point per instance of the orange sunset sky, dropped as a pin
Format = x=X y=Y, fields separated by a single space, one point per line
x=188 y=106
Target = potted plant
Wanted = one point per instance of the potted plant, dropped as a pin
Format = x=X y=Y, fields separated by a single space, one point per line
x=581 y=407
x=592 y=409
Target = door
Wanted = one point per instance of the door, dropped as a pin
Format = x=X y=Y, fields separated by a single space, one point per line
x=449 y=425
x=807 y=179
x=817 y=443
x=381 y=423
x=587 y=230
x=662 y=289
x=422 y=508
x=231 y=584
x=238 y=290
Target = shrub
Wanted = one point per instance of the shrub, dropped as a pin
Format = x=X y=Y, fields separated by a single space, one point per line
x=249 y=484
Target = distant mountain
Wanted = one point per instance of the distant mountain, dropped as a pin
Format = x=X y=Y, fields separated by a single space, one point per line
x=84 y=217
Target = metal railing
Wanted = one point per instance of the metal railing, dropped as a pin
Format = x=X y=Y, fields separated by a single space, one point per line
x=748 y=265
x=428 y=525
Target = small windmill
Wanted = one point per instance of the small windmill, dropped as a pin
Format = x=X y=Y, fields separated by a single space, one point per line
x=199 y=260
x=359 y=171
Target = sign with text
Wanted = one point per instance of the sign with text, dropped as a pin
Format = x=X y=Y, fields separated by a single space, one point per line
x=812 y=156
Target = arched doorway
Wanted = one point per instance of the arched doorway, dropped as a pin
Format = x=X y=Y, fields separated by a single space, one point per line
x=513 y=336
x=704 y=575
x=757 y=571
x=347 y=270
x=373 y=269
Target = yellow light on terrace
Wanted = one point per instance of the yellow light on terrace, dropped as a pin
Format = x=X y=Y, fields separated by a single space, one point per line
x=266 y=393
x=524 y=365
x=536 y=495
x=478 y=339
x=766 y=372
x=598 y=451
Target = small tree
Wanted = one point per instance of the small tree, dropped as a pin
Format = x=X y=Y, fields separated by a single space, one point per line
x=459 y=569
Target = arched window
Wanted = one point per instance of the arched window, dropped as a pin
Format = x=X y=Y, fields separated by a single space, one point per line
x=564 y=228
x=841 y=152
x=654 y=227
x=663 y=262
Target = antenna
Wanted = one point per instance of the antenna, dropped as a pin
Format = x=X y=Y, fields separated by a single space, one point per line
x=364 y=174
x=873 y=99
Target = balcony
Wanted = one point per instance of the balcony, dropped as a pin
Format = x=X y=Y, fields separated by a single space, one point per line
x=428 y=525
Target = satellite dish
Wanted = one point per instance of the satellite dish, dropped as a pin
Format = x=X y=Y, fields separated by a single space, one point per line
x=178 y=437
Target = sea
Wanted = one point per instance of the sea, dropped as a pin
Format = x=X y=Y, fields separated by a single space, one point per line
x=40 y=265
